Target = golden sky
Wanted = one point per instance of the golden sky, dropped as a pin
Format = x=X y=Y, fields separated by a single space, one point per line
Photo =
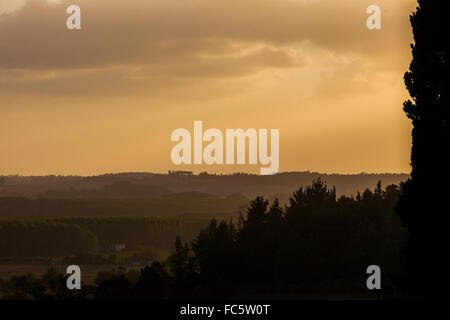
x=106 y=98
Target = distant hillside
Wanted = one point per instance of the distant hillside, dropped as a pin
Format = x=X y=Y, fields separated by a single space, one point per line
x=151 y=185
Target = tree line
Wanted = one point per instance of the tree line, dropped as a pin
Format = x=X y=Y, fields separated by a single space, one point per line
x=54 y=237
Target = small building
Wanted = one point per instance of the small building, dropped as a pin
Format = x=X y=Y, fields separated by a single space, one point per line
x=119 y=247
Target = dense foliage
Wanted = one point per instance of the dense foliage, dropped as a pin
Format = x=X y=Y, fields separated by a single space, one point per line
x=43 y=237
x=316 y=244
x=52 y=237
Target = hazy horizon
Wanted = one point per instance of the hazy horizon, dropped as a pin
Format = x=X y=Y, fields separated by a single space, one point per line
x=198 y=172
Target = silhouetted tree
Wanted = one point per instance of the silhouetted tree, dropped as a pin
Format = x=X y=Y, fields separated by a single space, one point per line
x=422 y=201
x=213 y=255
x=55 y=284
x=181 y=268
x=153 y=283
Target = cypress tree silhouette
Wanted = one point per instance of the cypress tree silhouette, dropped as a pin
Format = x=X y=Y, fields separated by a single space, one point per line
x=422 y=201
